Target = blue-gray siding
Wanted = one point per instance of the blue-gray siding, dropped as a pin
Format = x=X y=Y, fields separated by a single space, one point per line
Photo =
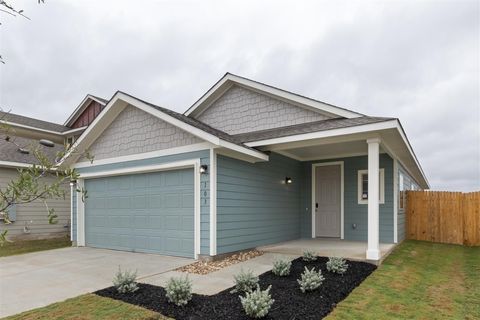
x=204 y=157
x=254 y=205
x=354 y=213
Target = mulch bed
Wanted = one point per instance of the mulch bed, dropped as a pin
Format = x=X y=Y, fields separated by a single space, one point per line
x=290 y=302
x=205 y=267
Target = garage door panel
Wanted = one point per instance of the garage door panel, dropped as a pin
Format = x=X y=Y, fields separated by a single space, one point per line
x=151 y=212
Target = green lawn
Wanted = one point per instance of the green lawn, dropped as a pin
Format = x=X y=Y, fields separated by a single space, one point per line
x=89 y=307
x=20 y=247
x=419 y=280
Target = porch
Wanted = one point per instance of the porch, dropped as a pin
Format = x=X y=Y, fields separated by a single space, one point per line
x=329 y=247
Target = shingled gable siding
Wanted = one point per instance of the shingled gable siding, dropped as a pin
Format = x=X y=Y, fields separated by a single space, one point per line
x=241 y=110
x=354 y=213
x=204 y=157
x=407 y=185
x=254 y=205
x=135 y=131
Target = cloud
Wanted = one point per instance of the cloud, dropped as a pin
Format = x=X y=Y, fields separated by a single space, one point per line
x=414 y=60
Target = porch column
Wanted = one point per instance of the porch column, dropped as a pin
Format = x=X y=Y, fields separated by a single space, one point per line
x=373 y=252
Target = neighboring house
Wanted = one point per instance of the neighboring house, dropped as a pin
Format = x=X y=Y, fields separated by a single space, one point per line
x=247 y=165
x=30 y=221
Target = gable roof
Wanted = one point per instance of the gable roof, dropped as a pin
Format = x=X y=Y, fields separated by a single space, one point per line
x=16 y=119
x=82 y=106
x=229 y=79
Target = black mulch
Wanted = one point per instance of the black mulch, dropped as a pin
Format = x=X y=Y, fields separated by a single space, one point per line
x=290 y=302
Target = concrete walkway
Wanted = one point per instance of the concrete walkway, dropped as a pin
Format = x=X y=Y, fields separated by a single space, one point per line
x=222 y=279
x=38 y=279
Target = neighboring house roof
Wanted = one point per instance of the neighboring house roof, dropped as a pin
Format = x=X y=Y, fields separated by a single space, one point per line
x=13 y=118
x=10 y=156
x=321 y=125
x=229 y=79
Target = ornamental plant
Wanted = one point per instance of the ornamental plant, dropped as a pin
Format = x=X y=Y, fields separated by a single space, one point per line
x=245 y=281
x=125 y=282
x=179 y=290
x=281 y=267
x=337 y=265
x=310 y=280
x=309 y=256
x=256 y=304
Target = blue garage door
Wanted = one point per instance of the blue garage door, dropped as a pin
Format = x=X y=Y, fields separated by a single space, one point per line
x=150 y=212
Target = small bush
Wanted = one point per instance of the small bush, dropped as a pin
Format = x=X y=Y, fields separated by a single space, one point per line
x=281 y=267
x=179 y=291
x=309 y=256
x=310 y=280
x=124 y=282
x=245 y=282
x=257 y=303
x=337 y=265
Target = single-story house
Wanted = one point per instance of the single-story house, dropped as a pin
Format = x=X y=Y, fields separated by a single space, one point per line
x=246 y=165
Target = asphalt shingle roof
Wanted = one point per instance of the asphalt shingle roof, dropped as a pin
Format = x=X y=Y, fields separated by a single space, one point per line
x=40 y=124
x=9 y=150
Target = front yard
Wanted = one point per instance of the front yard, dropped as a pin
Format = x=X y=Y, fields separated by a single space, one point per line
x=418 y=280
x=21 y=247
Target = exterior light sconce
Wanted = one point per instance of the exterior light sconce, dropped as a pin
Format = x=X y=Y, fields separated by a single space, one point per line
x=73 y=182
x=288 y=180
x=203 y=168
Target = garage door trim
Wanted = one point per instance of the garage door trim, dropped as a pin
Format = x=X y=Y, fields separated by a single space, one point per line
x=193 y=163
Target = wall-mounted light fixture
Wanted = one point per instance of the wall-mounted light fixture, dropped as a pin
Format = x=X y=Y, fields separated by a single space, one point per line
x=73 y=182
x=203 y=168
x=288 y=180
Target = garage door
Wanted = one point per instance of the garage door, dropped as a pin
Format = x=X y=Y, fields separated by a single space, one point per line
x=149 y=212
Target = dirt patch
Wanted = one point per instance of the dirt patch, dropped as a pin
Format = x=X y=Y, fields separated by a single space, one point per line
x=204 y=267
x=290 y=302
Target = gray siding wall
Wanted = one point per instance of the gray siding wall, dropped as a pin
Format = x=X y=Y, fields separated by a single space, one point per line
x=35 y=214
x=407 y=185
x=254 y=205
x=135 y=131
x=241 y=110
x=354 y=213
x=204 y=156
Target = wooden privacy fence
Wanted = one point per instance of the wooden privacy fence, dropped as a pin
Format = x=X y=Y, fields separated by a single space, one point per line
x=448 y=217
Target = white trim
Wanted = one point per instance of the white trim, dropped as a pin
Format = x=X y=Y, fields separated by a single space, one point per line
x=373 y=244
x=80 y=215
x=74 y=130
x=342 y=193
x=195 y=163
x=13 y=164
x=71 y=211
x=146 y=155
x=23 y=126
x=272 y=91
x=213 y=202
x=260 y=155
x=359 y=186
x=80 y=106
x=395 y=201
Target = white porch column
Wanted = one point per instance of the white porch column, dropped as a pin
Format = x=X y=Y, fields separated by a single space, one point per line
x=373 y=252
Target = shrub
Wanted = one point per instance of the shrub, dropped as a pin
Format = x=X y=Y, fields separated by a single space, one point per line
x=124 y=282
x=281 y=267
x=245 y=282
x=257 y=303
x=310 y=280
x=337 y=265
x=179 y=291
x=309 y=255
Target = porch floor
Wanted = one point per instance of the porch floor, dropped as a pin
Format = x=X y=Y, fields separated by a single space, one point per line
x=328 y=247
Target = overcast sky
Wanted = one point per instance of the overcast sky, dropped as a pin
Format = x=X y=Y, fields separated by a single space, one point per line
x=418 y=61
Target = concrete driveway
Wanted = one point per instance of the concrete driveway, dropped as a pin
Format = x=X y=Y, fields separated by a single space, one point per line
x=37 y=279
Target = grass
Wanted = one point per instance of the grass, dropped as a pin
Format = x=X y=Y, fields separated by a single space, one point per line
x=20 y=247
x=419 y=280
x=89 y=307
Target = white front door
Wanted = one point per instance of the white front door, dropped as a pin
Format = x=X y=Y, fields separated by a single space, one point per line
x=327 y=201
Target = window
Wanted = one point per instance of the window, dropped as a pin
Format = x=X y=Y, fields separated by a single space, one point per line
x=70 y=141
x=401 y=196
x=363 y=186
